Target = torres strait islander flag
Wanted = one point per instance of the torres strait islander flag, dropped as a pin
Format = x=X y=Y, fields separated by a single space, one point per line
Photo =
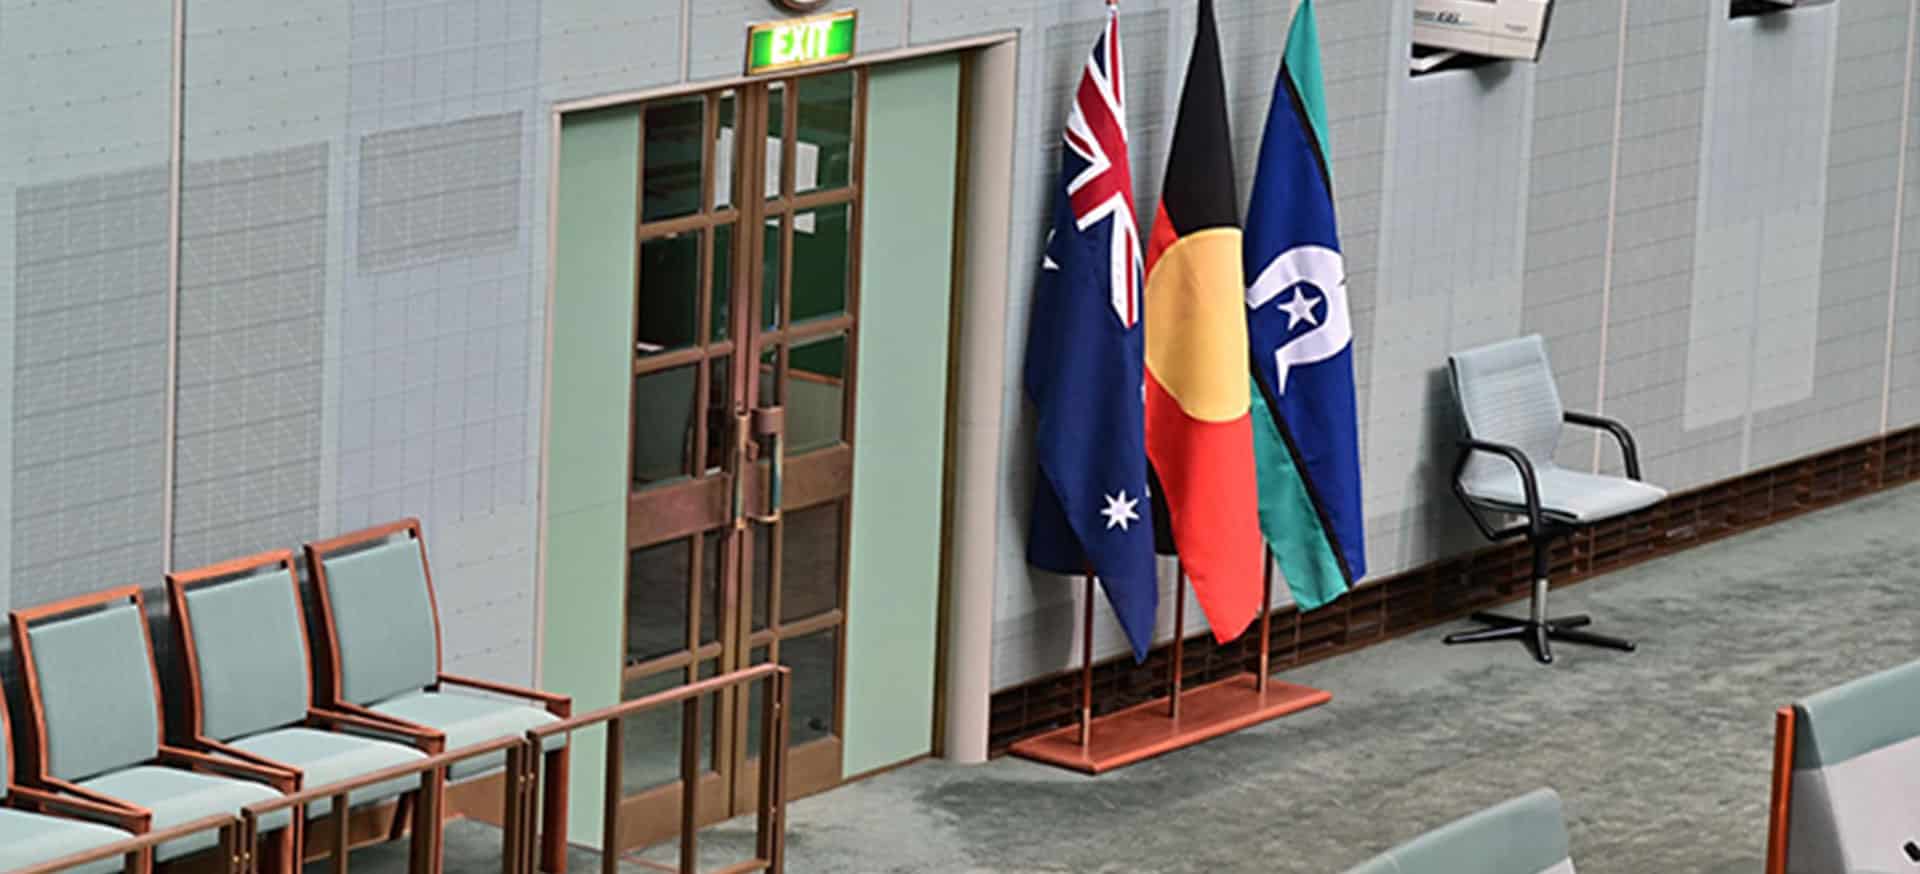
x=1199 y=432
x=1306 y=437
x=1084 y=359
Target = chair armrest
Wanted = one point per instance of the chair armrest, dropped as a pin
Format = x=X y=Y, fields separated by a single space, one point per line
x=280 y=779
x=217 y=747
x=1629 y=451
x=1529 y=485
x=135 y=821
x=558 y=705
x=391 y=724
x=429 y=742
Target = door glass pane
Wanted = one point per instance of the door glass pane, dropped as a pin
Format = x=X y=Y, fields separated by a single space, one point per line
x=712 y=565
x=776 y=136
x=670 y=180
x=754 y=696
x=820 y=247
x=815 y=660
x=770 y=275
x=722 y=282
x=719 y=413
x=658 y=580
x=769 y=387
x=663 y=411
x=816 y=393
x=810 y=562
x=725 y=161
x=669 y=304
x=763 y=559
x=652 y=755
x=824 y=156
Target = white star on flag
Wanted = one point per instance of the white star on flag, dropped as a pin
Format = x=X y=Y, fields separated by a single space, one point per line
x=1300 y=308
x=1119 y=511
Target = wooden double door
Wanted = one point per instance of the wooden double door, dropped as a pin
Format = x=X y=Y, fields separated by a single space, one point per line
x=741 y=464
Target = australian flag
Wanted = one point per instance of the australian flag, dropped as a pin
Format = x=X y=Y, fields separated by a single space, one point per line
x=1091 y=510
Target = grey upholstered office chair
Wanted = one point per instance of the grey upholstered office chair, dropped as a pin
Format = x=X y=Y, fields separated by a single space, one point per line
x=1524 y=836
x=1513 y=418
x=1847 y=779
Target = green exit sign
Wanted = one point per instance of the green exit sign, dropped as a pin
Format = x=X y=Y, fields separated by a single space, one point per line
x=802 y=42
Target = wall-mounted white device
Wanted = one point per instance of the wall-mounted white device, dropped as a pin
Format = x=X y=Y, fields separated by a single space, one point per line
x=1511 y=29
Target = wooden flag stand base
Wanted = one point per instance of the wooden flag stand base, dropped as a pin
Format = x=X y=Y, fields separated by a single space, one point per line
x=1182 y=719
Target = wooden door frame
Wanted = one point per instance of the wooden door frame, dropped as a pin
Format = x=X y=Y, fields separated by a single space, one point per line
x=704 y=505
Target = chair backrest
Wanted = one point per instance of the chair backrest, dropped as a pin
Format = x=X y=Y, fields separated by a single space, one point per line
x=1524 y=836
x=377 y=603
x=1855 y=799
x=91 y=682
x=1507 y=395
x=244 y=639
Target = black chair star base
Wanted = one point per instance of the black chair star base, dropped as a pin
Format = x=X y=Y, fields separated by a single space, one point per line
x=1536 y=632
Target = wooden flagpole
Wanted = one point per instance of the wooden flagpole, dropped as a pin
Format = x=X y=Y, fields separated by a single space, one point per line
x=1179 y=638
x=1086 y=668
x=1266 y=621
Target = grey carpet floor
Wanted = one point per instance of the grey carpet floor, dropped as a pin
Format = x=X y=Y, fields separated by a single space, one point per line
x=1662 y=755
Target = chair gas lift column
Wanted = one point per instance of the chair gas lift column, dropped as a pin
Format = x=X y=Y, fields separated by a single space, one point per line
x=1511 y=408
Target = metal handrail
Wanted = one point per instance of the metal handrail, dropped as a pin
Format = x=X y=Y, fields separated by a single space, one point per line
x=770 y=829
x=135 y=848
x=516 y=824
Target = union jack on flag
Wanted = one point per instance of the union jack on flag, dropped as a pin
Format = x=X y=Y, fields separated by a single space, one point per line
x=1103 y=189
x=1086 y=362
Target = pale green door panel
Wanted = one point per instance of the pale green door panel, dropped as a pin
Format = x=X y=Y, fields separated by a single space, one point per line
x=906 y=280
x=590 y=367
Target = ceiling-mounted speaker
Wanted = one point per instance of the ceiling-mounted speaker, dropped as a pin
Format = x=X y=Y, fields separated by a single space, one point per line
x=1513 y=29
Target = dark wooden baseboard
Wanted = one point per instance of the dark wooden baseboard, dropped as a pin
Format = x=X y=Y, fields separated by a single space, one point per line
x=1448 y=589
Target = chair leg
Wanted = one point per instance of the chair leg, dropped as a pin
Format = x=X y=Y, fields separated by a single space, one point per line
x=1498 y=621
x=285 y=851
x=1591 y=639
x=553 y=814
x=1501 y=632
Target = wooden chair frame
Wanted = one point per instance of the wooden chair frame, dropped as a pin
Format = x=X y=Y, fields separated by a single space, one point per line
x=553 y=815
x=1780 y=802
x=167 y=755
x=178 y=583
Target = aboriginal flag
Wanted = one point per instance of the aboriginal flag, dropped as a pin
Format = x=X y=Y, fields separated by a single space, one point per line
x=1199 y=431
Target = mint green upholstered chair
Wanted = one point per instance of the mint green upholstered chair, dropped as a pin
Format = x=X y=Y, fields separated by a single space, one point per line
x=28 y=836
x=1510 y=407
x=1847 y=764
x=95 y=723
x=243 y=637
x=383 y=657
x=1524 y=836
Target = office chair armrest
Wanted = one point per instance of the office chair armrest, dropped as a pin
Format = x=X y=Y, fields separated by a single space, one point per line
x=1629 y=451
x=1529 y=485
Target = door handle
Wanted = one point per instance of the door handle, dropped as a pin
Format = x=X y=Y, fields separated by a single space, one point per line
x=772 y=422
x=738 y=513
